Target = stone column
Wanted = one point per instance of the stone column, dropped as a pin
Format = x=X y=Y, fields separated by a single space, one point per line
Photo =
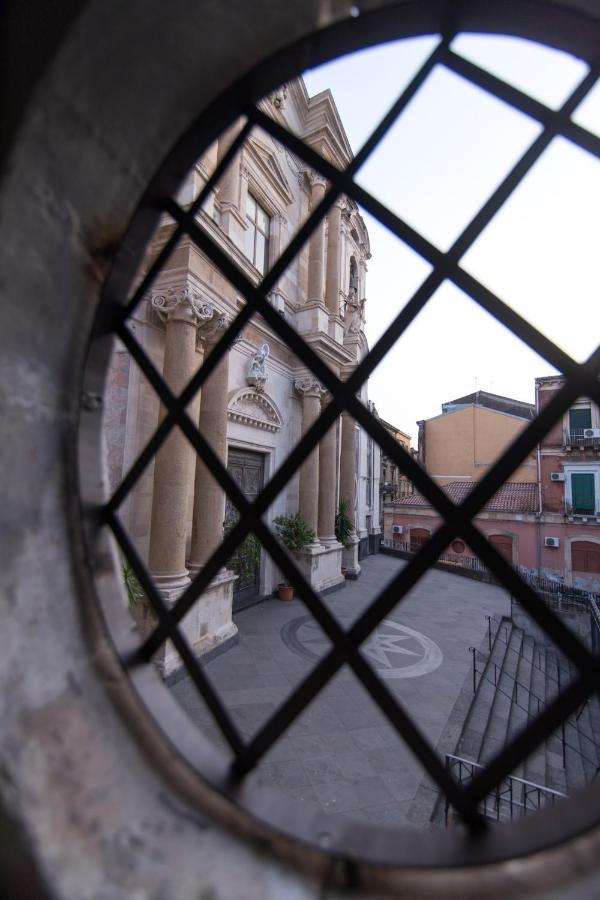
x=311 y=391
x=333 y=282
x=173 y=469
x=209 y=496
x=327 y=484
x=316 y=245
x=348 y=489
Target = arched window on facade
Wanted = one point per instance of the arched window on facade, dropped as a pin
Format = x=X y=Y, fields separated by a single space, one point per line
x=418 y=537
x=585 y=556
x=503 y=543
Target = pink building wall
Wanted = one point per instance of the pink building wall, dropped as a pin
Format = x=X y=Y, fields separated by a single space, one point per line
x=527 y=536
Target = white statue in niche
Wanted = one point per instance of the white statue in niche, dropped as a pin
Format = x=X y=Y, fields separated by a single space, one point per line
x=354 y=314
x=256 y=371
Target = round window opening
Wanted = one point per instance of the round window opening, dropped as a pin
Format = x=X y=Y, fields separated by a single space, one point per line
x=287 y=272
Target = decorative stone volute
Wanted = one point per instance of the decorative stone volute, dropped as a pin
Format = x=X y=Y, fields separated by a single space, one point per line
x=183 y=304
x=211 y=329
x=309 y=386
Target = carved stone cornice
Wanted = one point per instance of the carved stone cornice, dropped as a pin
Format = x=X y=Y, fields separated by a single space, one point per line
x=183 y=304
x=309 y=386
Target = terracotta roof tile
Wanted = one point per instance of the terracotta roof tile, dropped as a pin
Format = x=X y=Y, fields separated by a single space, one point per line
x=514 y=496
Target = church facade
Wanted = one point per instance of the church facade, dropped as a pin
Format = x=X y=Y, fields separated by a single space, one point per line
x=260 y=398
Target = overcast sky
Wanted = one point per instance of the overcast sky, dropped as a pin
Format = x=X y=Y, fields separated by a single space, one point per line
x=435 y=168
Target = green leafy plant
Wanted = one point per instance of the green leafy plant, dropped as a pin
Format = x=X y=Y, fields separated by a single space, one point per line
x=135 y=593
x=247 y=557
x=293 y=531
x=344 y=527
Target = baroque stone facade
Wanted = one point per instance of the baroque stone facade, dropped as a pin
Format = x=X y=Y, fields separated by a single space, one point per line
x=259 y=400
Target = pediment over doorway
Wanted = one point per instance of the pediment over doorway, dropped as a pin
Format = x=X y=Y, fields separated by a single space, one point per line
x=250 y=407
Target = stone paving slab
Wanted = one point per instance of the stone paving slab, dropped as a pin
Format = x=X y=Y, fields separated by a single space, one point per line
x=342 y=754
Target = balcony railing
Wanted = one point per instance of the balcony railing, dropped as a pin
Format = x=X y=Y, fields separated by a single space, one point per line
x=576 y=439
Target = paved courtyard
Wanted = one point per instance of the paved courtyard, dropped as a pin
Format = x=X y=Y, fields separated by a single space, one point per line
x=342 y=754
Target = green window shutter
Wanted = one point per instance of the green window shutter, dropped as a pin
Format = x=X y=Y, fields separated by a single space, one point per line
x=583 y=493
x=580 y=419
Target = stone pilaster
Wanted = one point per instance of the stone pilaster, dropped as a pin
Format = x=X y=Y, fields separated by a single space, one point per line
x=209 y=497
x=311 y=392
x=182 y=309
x=327 y=483
x=232 y=220
x=348 y=490
x=333 y=277
x=316 y=281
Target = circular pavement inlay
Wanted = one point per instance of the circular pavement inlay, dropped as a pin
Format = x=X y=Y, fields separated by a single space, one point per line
x=395 y=650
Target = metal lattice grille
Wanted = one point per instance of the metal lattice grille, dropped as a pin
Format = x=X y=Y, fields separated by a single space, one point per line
x=581 y=380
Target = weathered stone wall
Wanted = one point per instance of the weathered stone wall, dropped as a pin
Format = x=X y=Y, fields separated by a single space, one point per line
x=92 y=806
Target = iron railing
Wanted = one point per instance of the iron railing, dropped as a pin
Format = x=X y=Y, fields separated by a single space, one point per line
x=511 y=798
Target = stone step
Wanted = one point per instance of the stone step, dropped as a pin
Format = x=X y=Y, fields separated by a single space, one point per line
x=498 y=722
x=471 y=739
x=574 y=771
x=535 y=765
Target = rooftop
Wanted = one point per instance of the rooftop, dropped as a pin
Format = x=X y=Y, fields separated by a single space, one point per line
x=514 y=496
x=492 y=401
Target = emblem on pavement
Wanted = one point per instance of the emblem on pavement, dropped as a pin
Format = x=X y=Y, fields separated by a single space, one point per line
x=394 y=650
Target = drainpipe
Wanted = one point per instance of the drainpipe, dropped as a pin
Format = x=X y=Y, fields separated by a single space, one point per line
x=539 y=487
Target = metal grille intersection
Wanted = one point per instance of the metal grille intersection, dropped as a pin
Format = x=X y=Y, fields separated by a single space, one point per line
x=581 y=380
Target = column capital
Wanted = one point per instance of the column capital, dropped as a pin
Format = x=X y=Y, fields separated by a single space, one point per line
x=183 y=304
x=316 y=180
x=210 y=330
x=308 y=386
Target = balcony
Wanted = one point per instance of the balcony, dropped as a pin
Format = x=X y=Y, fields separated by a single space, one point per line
x=582 y=439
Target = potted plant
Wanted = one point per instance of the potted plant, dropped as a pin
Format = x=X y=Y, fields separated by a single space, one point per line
x=295 y=534
x=344 y=527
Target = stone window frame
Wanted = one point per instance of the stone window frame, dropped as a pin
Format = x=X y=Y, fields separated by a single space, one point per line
x=253 y=223
x=581 y=468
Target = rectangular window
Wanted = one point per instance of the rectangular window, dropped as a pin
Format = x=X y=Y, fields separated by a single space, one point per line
x=578 y=420
x=256 y=244
x=583 y=499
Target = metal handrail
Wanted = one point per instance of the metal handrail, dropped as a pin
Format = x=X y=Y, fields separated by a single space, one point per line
x=549 y=675
x=514 y=789
x=564 y=742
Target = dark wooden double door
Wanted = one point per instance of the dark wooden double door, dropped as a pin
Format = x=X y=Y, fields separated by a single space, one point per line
x=247 y=470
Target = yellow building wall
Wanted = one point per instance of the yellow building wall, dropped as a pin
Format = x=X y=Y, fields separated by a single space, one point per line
x=463 y=445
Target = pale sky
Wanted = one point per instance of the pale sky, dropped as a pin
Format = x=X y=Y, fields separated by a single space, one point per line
x=435 y=168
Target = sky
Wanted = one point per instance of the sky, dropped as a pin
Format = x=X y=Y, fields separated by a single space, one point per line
x=435 y=168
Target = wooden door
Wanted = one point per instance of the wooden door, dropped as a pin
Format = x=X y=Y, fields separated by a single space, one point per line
x=247 y=470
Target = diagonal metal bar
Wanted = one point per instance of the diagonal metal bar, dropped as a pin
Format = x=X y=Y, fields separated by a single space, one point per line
x=342 y=392
x=187 y=395
x=415 y=568
x=389 y=705
x=205 y=688
x=562 y=636
x=359 y=408
x=555 y=121
x=444 y=263
x=527 y=740
x=166 y=251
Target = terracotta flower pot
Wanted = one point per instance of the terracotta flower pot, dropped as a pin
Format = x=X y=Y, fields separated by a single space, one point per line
x=285 y=592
